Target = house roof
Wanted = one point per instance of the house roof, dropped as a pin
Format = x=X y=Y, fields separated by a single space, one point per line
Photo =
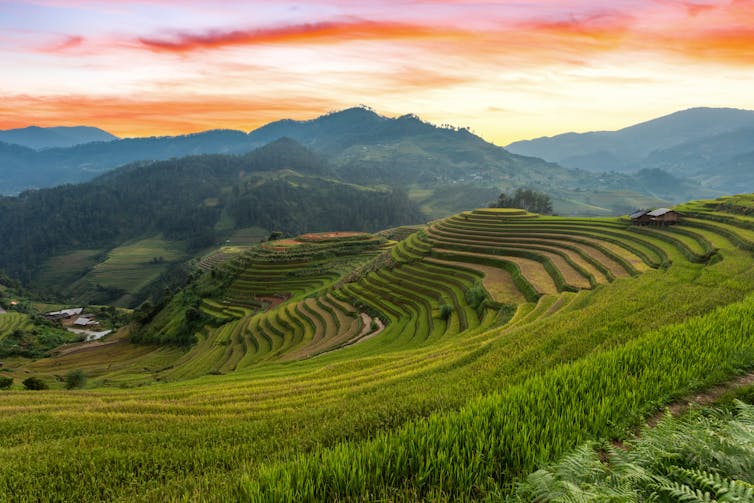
x=66 y=312
x=659 y=212
x=82 y=321
x=638 y=213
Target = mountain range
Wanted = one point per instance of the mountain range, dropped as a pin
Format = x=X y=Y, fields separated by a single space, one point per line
x=712 y=146
x=444 y=170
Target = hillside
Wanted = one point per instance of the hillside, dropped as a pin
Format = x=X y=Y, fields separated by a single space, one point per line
x=444 y=170
x=690 y=144
x=111 y=239
x=50 y=137
x=446 y=366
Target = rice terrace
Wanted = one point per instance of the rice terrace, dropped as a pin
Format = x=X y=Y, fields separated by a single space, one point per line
x=444 y=362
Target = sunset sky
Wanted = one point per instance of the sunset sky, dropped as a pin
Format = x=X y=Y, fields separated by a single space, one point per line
x=508 y=70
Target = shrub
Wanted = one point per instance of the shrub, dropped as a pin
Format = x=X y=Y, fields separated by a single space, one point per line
x=34 y=383
x=445 y=311
x=75 y=379
x=6 y=382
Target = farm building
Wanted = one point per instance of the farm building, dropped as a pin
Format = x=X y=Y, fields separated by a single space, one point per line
x=664 y=216
x=84 y=322
x=640 y=217
x=64 y=314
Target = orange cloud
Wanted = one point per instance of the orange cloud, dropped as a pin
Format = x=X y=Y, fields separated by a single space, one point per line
x=333 y=31
x=146 y=117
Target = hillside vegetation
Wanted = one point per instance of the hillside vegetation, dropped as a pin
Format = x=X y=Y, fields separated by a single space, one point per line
x=346 y=367
x=73 y=240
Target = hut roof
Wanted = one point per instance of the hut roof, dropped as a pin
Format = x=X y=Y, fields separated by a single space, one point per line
x=66 y=312
x=659 y=212
x=638 y=213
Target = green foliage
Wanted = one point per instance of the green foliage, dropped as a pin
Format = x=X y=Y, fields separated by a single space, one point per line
x=6 y=382
x=475 y=296
x=706 y=456
x=75 y=379
x=175 y=320
x=34 y=383
x=445 y=311
x=527 y=199
x=29 y=336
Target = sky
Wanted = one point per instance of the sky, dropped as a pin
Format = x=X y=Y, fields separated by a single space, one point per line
x=507 y=70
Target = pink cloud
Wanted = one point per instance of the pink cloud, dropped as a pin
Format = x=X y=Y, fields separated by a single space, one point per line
x=65 y=44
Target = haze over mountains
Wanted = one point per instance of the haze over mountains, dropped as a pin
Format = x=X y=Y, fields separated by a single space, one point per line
x=713 y=146
x=51 y=137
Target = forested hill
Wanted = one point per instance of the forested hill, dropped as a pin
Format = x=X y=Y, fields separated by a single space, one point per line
x=196 y=200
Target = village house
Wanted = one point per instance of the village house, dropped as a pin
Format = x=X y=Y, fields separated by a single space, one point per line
x=64 y=314
x=84 y=322
x=640 y=217
x=660 y=216
x=664 y=216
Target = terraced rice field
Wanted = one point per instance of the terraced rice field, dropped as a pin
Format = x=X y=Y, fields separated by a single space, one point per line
x=11 y=321
x=467 y=387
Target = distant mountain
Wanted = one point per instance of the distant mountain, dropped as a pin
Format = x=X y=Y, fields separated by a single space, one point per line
x=27 y=169
x=40 y=138
x=691 y=144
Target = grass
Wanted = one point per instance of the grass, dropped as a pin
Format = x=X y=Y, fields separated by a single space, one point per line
x=131 y=267
x=13 y=321
x=263 y=408
x=67 y=268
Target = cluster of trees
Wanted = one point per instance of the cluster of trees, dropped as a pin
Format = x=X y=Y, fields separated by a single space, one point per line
x=74 y=379
x=294 y=207
x=527 y=199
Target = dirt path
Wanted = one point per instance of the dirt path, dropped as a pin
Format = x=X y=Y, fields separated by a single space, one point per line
x=706 y=397
x=364 y=335
x=88 y=346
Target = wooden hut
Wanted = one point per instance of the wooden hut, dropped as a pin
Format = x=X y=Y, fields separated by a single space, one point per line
x=664 y=216
x=640 y=217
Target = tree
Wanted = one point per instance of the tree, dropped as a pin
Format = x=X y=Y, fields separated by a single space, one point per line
x=6 y=382
x=75 y=379
x=34 y=383
x=527 y=199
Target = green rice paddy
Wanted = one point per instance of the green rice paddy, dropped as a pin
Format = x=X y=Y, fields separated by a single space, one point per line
x=293 y=392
